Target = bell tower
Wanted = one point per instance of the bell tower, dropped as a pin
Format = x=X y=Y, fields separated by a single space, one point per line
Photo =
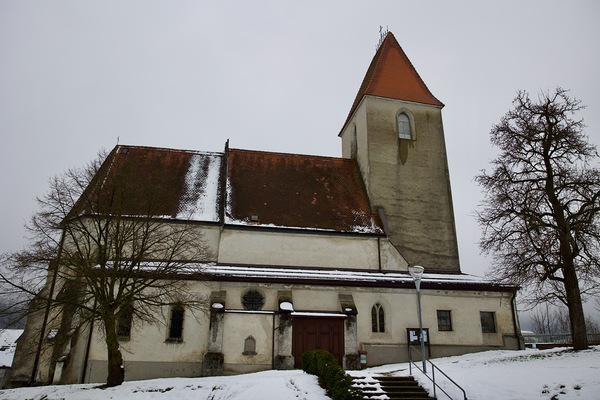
x=394 y=132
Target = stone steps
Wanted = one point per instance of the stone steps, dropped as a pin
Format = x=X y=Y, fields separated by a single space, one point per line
x=390 y=387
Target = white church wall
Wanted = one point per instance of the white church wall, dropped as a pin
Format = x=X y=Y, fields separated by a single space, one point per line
x=148 y=354
x=239 y=327
x=298 y=249
x=401 y=313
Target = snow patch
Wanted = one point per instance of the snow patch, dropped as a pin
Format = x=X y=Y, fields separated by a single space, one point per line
x=8 y=344
x=200 y=199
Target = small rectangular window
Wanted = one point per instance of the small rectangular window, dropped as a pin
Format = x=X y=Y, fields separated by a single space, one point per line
x=176 y=325
x=444 y=318
x=488 y=321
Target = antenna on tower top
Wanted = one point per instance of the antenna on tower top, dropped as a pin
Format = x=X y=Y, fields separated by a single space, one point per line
x=382 y=34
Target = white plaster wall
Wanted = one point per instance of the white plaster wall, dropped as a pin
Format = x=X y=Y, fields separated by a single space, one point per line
x=324 y=299
x=239 y=326
x=207 y=237
x=297 y=249
x=358 y=121
x=401 y=313
x=148 y=341
x=211 y=237
x=391 y=259
x=235 y=291
x=148 y=349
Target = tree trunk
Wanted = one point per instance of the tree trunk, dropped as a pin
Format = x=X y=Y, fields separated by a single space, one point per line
x=576 y=317
x=116 y=371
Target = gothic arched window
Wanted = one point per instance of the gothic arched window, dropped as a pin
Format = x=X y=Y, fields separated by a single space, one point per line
x=377 y=319
x=404 y=129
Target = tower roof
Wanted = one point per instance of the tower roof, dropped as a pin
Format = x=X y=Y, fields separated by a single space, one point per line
x=392 y=75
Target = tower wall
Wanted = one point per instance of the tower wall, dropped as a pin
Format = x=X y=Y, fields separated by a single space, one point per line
x=407 y=179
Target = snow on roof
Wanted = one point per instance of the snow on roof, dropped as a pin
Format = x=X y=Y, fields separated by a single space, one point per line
x=200 y=200
x=319 y=314
x=157 y=182
x=332 y=276
x=336 y=276
x=8 y=343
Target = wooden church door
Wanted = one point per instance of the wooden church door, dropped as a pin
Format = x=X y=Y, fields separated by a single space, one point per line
x=310 y=333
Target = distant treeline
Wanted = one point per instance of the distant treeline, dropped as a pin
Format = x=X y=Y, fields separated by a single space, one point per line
x=10 y=319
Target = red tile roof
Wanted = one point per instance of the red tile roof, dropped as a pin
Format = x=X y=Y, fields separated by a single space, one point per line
x=282 y=190
x=147 y=181
x=297 y=191
x=392 y=75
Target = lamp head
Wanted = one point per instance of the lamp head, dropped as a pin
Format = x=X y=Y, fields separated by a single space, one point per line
x=416 y=271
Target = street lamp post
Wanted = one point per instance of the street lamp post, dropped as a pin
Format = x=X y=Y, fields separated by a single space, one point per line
x=416 y=272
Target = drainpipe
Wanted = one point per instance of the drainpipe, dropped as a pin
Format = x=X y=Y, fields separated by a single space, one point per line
x=379 y=252
x=516 y=318
x=87 y=348
x=273 y=344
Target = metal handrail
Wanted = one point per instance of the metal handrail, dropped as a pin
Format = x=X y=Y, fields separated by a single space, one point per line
x=432 y=378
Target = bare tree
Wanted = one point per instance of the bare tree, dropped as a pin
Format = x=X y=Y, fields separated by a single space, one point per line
x=592 y=326
x=539 y=217
x=544 y=320
x=101 y=262
x=552 y=320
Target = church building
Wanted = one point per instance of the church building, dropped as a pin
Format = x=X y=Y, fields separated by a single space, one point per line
x=305 y=251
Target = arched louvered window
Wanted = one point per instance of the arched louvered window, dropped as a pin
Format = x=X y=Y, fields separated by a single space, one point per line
x=377 y=319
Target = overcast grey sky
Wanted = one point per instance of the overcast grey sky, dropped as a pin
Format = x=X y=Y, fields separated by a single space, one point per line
x=275 y=76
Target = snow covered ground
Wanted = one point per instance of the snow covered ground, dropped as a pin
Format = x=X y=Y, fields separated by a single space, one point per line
x=530 y=374
x=514 y=375
x=259 y=386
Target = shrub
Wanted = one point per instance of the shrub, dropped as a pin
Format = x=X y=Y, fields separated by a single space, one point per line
x=331 y=376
